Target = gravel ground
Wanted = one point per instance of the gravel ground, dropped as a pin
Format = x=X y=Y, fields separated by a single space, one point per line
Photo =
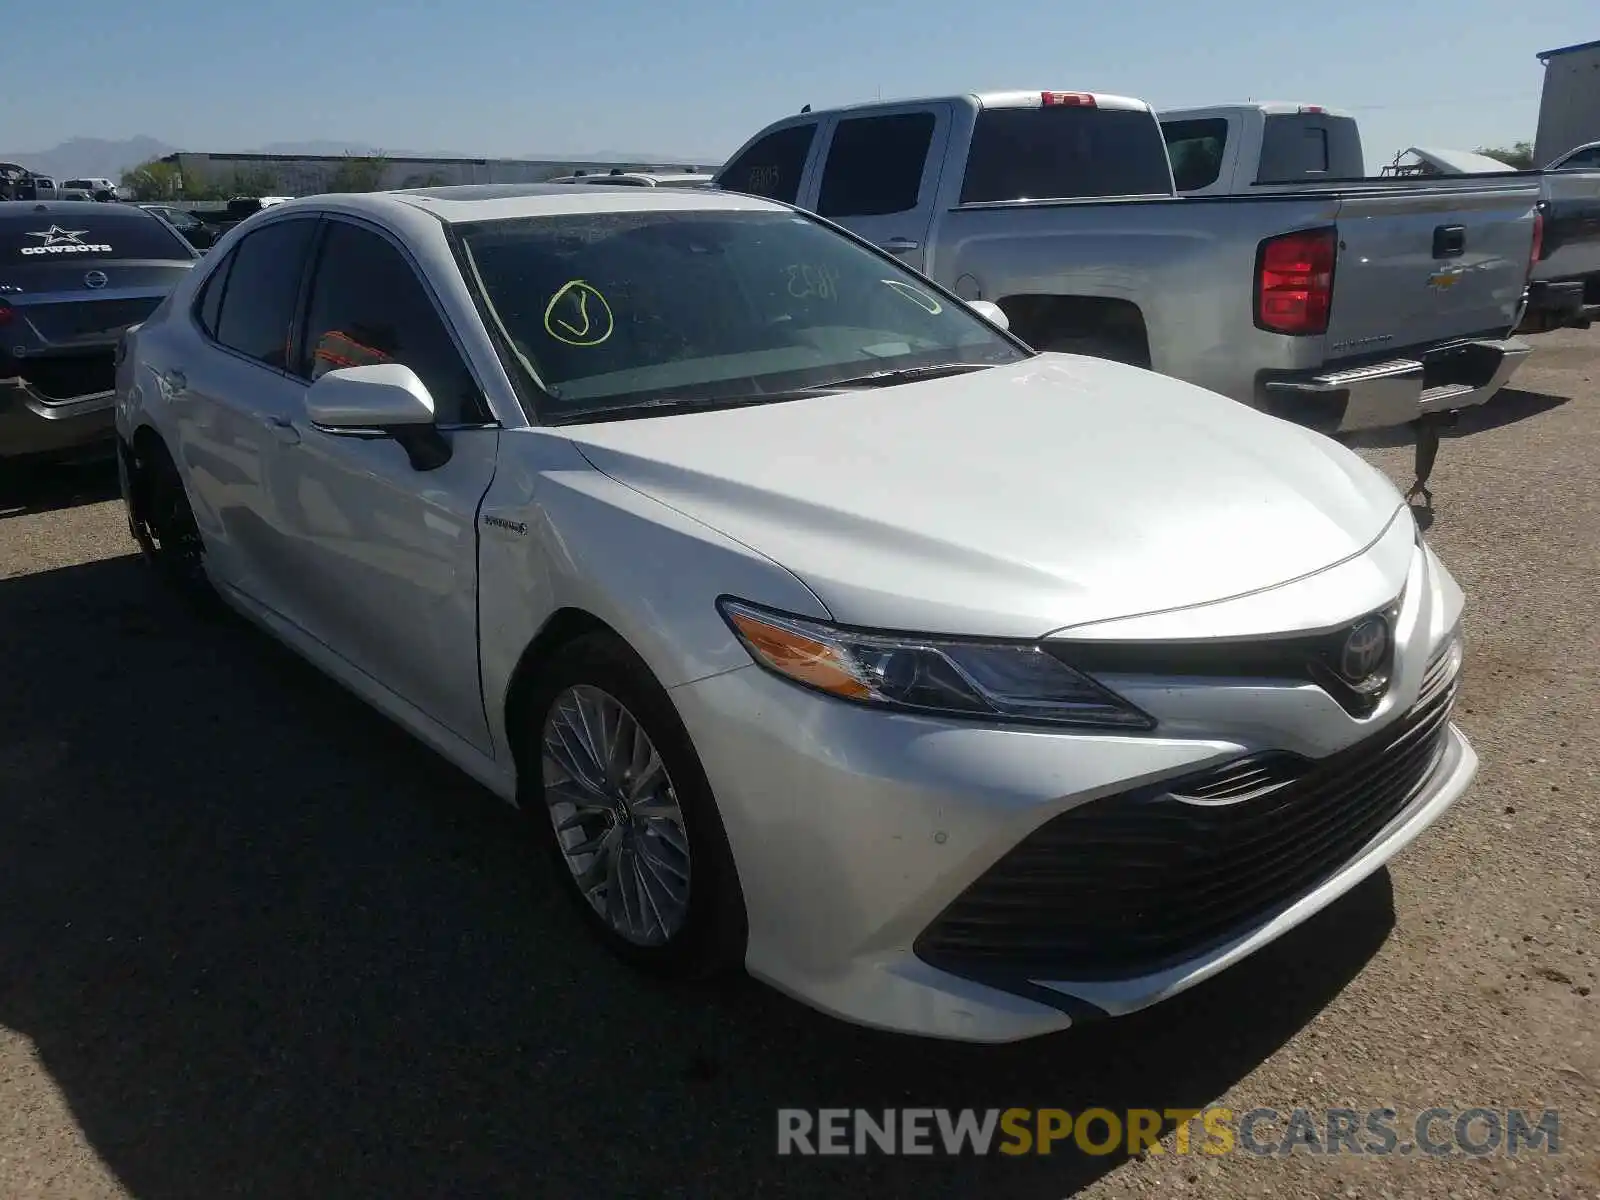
x=255 y=942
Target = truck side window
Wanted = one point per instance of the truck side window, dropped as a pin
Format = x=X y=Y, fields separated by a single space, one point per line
x=875 y=165
x=773 y=166
x=1195 y=148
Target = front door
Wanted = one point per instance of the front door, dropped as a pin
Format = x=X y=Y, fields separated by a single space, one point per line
x=388 y=555
x=228 y=391
x=880 y=175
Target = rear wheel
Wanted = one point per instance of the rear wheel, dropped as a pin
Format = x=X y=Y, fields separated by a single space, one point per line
x=164 y=524
x=627 y=814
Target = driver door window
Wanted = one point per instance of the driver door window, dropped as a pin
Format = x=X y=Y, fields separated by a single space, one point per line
x=368 y=306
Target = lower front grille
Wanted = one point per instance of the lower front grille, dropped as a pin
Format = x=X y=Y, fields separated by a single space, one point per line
x=1128 y=884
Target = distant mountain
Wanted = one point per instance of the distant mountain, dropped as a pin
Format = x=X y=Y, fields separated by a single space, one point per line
x=89 y=158
x=99 y=157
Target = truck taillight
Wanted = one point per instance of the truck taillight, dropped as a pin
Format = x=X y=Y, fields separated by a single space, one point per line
x=1067 y=99
x=1294 y=281
x=1538 y=241
x=6 y=312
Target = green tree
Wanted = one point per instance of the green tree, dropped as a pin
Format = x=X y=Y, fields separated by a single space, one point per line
x=154 y=180
x=359 y=173
x=1518 y=156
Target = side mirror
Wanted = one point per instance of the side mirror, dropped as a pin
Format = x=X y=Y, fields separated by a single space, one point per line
x=990 y=312
x=385 y=400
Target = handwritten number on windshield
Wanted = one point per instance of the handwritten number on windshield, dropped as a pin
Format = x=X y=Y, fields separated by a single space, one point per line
x=806 y=280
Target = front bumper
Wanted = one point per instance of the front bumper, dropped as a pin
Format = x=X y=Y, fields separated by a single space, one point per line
x=34 y=424
x=1397 y=391
x=855 y=830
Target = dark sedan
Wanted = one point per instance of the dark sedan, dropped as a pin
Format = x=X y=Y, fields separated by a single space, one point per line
x=198 y=233
x=73 y=278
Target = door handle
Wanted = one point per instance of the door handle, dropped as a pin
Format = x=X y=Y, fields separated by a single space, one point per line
x=900 y=245
x=175 y=380
x=1449 y=241
x=283 y=429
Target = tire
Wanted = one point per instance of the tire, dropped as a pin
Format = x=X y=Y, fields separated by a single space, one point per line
x=691 y=927
x=164 y=526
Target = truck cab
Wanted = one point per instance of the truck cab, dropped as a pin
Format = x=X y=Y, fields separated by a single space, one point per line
x=1228 y=149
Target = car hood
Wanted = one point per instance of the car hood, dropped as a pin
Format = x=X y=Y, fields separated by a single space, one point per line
x=1011 y=502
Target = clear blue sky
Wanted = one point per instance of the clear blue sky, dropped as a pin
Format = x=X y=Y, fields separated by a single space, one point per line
x=699 y=76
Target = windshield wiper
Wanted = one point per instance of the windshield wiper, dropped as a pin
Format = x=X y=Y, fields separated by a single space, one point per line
x=670 y=404
x=905 y=375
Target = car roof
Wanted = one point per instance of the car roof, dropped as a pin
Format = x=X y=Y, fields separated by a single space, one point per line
x=76 y=209
x=489 y=201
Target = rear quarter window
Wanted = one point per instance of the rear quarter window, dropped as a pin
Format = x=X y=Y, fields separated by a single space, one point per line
x=33 y=238
x=1062 y=153
x=1300 y=146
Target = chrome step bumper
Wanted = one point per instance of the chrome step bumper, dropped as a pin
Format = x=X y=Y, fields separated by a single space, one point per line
x=1396 y=392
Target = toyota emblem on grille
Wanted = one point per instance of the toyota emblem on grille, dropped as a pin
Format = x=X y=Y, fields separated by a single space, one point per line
x=95 y=279
x=1364 y=649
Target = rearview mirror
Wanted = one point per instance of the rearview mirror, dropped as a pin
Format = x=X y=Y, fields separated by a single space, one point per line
x=385 y=400
x=990 y=312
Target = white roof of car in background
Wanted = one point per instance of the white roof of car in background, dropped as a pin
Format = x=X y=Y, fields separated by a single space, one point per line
x=491 y=201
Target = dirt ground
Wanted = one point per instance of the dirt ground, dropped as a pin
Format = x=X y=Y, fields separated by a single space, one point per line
x=256 y=942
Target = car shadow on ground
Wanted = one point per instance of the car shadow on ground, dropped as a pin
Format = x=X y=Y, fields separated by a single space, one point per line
x=266 y=945
x=27 y=488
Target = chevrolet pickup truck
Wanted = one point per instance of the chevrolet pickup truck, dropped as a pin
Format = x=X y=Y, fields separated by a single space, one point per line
x=1566 y=281
x=1345 y=309
x=1246 y=149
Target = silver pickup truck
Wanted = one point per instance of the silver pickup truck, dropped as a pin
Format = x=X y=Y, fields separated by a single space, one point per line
x=1566 y=281
x=1344 y=308
x=1247 y=149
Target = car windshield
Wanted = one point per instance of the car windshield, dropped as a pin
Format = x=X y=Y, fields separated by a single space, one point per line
x=611 y=310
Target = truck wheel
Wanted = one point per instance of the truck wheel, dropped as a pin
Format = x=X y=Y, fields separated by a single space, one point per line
x=614 y=787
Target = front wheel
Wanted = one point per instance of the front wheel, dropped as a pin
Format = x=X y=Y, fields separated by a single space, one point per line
x=628 y=816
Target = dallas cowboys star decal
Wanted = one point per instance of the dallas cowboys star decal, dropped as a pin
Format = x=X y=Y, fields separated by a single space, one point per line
x=57 y=236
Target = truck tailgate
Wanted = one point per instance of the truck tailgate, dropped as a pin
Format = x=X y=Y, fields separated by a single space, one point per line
x=1423 y=268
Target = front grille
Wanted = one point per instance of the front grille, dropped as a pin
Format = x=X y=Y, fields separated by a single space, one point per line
x=1130 y=883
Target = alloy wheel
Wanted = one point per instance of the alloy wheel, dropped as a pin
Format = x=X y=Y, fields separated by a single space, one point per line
x=616 y=816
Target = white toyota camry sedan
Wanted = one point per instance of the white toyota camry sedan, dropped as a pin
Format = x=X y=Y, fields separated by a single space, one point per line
x=823 y=628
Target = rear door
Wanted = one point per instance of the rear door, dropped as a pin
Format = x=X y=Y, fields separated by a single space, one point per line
x=231 y=398
x=1419 y=269
x=880 y=174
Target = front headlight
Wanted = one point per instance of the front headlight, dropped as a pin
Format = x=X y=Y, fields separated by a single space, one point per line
x=997 y=680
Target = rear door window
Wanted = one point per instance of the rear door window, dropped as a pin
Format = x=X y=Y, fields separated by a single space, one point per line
x=93 y=234
x=1196 y=150
x=262 y=290
x=1061 y=152
x=773 y=165
x=875 y=165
